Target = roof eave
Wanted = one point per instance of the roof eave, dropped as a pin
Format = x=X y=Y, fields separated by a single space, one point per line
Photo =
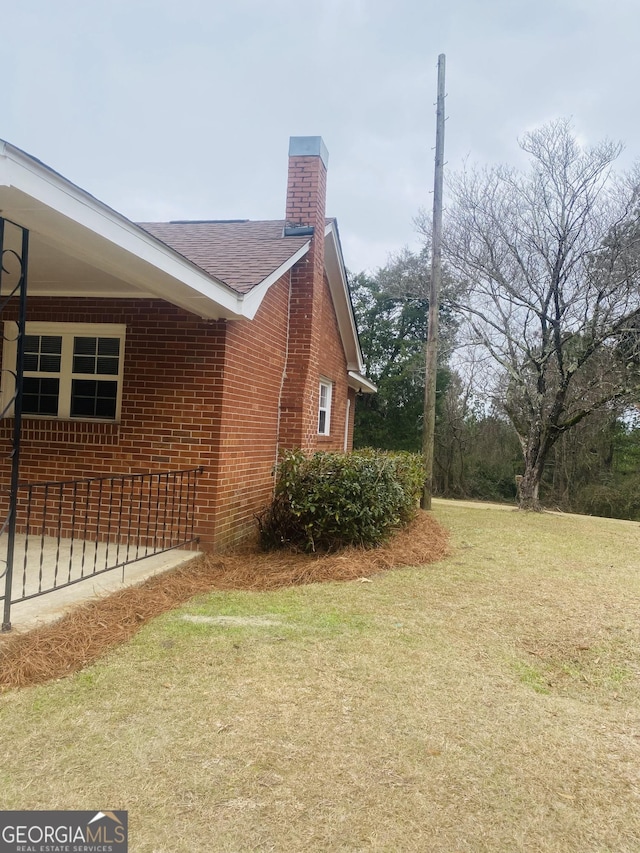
x=360 y=383
x=57 y=208
x=337 y=277
x=253 y=299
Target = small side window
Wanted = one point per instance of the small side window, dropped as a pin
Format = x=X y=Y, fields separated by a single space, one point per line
x=324 y=407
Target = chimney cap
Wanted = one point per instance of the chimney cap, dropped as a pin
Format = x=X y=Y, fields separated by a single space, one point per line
x=309 y=146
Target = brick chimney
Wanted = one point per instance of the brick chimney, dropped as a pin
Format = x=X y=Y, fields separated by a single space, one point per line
x=307 y=184
x=305 y=213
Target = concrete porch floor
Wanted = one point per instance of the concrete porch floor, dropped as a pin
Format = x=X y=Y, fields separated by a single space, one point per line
x=26 y=615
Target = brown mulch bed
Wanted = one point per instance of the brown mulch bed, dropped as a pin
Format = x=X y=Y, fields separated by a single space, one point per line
x=85 y=633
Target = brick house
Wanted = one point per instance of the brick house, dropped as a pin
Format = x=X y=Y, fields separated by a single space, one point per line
x=160 y=347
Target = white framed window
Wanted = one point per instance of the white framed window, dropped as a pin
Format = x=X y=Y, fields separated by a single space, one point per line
x=324 y=406
x=72 y=371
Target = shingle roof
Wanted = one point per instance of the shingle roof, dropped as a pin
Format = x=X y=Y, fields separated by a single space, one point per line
x=240 y=253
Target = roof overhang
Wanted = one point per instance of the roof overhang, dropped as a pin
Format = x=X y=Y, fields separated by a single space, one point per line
x=337 y=278
x=360 y=383
x=253 y=299
x=81 y=247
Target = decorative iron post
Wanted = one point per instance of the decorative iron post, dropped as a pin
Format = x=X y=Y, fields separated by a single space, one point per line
x=14 y=252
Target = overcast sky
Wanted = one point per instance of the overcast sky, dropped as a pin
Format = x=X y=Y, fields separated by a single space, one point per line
x=182 y=109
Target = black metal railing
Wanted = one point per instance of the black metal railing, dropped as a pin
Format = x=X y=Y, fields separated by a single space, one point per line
x=70 y=531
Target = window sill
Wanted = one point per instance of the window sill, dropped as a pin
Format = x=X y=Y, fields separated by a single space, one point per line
x=45 y=430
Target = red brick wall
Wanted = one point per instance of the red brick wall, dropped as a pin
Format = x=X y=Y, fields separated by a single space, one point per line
x=254 y=364
x=170 y=416
x=306 y=192
x=176 y=411
x=178 y=414
x=331 y=365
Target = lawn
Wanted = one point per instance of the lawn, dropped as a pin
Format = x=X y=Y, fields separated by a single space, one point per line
x=488 y=702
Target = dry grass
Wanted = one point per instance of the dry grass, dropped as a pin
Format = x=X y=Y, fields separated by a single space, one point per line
x=84 y=634
x=488 y=702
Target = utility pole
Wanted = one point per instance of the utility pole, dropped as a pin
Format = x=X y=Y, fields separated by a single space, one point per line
x=429 y=422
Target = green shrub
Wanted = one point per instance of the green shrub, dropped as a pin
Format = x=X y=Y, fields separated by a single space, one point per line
x=330 y=500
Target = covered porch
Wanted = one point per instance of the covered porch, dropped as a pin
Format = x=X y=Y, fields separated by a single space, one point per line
x=69 y=259
x=78 y=538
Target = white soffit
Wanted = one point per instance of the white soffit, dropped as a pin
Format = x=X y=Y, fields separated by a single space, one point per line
x=360 y=383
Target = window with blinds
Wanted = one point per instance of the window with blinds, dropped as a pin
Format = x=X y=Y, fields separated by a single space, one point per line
x=71 y=371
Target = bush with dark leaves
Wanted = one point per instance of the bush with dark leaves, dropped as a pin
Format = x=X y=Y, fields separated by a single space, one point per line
x=330 y=500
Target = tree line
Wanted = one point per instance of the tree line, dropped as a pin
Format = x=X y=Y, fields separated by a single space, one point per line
x=539 y=377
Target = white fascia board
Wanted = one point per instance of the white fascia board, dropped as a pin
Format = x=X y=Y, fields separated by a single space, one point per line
x=52 y=191
x=361 y=383
x=253 y=299
x=336 y=273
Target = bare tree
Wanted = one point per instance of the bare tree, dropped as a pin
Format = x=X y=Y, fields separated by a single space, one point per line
x=551 y=259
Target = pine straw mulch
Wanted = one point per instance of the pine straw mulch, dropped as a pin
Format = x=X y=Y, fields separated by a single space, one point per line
x=89 y=630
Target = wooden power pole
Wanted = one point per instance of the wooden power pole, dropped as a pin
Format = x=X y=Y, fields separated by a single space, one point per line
x=429 y=424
